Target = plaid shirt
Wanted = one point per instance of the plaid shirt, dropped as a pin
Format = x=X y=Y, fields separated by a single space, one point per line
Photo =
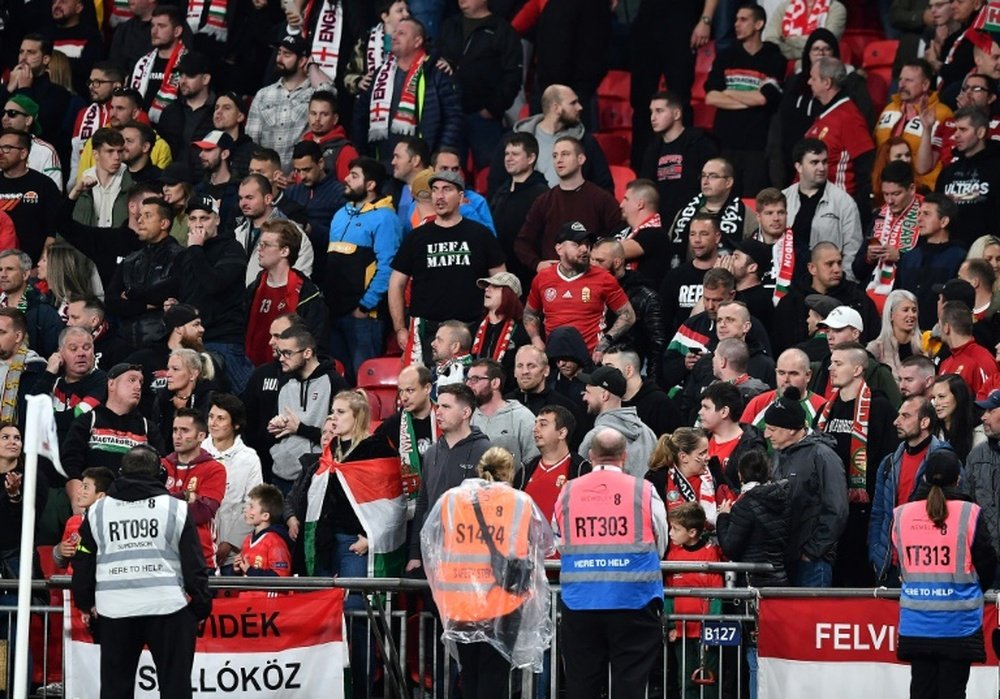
x=278 y=117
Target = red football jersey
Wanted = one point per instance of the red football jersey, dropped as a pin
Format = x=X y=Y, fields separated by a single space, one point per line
x=579 y=301
x=207 y=478
x=843 y=129
x=267 y=551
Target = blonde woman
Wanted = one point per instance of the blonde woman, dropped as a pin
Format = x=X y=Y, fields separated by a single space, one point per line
x=67 y=274
x=189 y=385
x=987 y=247
x=900 y=336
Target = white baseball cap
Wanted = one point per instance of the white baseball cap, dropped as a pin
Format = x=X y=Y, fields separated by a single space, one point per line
x=843 y=317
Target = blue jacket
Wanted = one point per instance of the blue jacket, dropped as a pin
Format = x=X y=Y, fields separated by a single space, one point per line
x=439 y=110
x=886 y=485
x=474 y=208
x=924 y=267
x=363 y=242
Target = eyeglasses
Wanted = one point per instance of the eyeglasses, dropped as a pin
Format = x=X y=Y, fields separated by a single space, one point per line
x=965 y=88
x=476 y=379
x=712 y=176
x=13 y=113
x=7 y=149
x=288 y=354
x=95 y=81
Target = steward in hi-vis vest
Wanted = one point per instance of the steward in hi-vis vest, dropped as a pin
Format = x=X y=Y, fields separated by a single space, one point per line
x=946 y=560
x=612 y=531
x=140 y=579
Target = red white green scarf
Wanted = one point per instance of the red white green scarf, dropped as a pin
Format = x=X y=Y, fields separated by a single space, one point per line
x=293 y=290
x=783 y=262
x=166 y=93
x=213 y=24
x=900 y=232
x=857 y=468
x=120 y=12
x=629 y=233
x=503 y=341
x=404 y=121
x=326 y=39
x=802 y=21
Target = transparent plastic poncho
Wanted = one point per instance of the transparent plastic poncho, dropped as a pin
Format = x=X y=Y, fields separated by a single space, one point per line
x=484 y=545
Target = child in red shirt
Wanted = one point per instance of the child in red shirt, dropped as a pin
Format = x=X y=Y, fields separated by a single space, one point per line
x=687 y=534
x=95 y=483
x=266 y=550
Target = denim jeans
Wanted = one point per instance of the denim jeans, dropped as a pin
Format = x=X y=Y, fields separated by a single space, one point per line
x=812 y=574
x=354 y=340
x=344 y=563
x=238 y=368
x=752 y=670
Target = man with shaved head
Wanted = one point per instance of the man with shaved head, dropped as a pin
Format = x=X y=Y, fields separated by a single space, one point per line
x=861 y=422
x=792 y=369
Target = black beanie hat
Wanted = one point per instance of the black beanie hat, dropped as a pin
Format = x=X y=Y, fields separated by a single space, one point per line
x=787 y=412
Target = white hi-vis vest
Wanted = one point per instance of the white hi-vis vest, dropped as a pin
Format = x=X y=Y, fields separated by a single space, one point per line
x=138 y=560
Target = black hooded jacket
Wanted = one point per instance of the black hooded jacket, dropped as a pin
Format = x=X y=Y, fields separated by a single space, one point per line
x=756 y=531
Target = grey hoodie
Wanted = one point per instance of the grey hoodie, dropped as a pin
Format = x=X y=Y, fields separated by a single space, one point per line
x=510 y=427
x=639 y=437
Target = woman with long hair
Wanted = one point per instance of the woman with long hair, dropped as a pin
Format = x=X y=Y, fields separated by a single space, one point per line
x=501 y=331
x=336 y=533
x=227 y=418
x=900 y=336
x=896 y=148
x=946 y=561
x=67 y=274
x=678 y=469
x=952 y=403
x=189 y=385
x=987 y=247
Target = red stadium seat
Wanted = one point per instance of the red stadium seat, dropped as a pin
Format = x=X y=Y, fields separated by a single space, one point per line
x=382 y=401
x=858 y=39
x=703 y=61
x=481 y=178
x=616 y=147
x=880 y=54
x=614 y=111
x=379 y=372
x=622 y=176
x=617 y=85
x=877 y=84
x=704 y=115
x=750 y=203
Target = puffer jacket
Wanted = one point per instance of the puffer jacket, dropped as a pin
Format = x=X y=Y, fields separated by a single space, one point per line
x=818 y=496
x=757 y=530
x=884 y=502
x=649 y=334
x=981 y=481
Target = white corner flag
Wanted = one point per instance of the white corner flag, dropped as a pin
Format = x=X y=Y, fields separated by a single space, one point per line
x=40 y=435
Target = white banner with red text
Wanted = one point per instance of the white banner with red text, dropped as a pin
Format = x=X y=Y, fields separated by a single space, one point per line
x=836 y=648
x=251 y=646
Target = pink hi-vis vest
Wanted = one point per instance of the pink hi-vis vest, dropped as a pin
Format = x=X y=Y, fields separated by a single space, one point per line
x=609 y=556
x=941 y=597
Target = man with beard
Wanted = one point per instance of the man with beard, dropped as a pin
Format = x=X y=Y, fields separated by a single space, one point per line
x=574 y=293
x=139 y=141
x=76 y=37
x=507 y=423
x=319 y=193
x=451 y=352
x=14 y=351
x=257 y=207
x=214 y=150
x=44 y=323
x=27 y=196
x=155 y=75
x=280 y=109
x=413 y=429
x=531 y=371
x=682 y=287
x=326 y=131
x=826 y=271
x=718 y=200
x=105 y=78
x=861 y=420
x=969 y=180
x=363 y=239
x=125 y=107
x=188 y=119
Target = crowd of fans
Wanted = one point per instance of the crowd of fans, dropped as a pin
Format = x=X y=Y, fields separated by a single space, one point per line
x=213 y=214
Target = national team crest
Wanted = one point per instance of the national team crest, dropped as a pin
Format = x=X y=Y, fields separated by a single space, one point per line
x=550 y=294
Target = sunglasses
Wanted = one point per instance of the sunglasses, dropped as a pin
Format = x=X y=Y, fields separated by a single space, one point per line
x=13 y=113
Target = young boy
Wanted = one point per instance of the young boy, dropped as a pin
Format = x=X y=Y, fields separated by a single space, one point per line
x=687 y=534
x=267 y=549
x=95 y=483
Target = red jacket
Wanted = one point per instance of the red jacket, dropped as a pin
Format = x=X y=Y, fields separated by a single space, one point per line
x=206 y=478
x=707 y=552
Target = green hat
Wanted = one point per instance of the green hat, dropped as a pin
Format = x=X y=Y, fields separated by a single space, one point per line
x=30 y=108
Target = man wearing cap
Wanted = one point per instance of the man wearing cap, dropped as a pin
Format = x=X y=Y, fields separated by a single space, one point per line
x=791 y=369
x=816 y=346
x=156 y=75
x=605 y=388
x=445 y=258
x=750 y=262
x=230 y=115
x=861 y=421
x=645 y=244
x=574 y=293
x=507 y=423
x=279 y=111
x=211 y=278
x=818 y=490
x=826 y=272
x=844 y=324
x=28 y=197
x=21 y=113
x=649 y=333
x=102 y=436
x=982 y=465
x=189 y=118
x=934 y=260
x=319 y=192
x=967 y=358
x=363 y=239
x=102 y=190
x=213 y=155
x=573 y=199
